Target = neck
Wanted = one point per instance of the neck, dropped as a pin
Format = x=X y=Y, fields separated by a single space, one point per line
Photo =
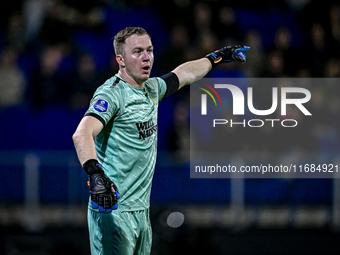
x=130 y=80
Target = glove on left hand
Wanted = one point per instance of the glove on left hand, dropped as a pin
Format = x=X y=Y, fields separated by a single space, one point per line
x=228 y=54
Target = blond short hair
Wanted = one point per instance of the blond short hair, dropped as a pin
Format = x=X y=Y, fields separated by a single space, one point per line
x=121 y=36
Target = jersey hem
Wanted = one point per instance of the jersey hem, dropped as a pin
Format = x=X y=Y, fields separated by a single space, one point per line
x=89 y=206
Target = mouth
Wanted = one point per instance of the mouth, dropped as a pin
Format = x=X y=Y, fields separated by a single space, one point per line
x=146 y=68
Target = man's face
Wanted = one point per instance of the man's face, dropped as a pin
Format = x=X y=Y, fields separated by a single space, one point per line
x=138 y=57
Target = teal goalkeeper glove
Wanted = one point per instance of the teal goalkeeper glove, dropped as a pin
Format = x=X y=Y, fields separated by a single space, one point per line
x=104 y=193
x=228 y=54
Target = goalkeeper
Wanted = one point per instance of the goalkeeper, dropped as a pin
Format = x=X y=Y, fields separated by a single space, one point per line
x=116 y=141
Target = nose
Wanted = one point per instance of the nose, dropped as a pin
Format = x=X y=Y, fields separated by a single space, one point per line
x=146 y=56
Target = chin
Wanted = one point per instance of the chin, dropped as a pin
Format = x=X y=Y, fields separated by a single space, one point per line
x=145 y=77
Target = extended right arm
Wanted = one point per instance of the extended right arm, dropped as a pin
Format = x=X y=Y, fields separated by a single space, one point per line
x=192 y=71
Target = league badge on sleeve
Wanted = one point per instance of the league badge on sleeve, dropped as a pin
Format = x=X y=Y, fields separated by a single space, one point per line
x=101 y=105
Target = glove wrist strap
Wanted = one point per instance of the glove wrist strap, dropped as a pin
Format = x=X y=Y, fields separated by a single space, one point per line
x=213 y=61
x=92 y=166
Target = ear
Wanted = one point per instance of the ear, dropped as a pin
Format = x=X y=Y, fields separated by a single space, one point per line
x=120 y=60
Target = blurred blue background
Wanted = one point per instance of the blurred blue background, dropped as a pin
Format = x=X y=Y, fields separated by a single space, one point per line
x=54 y=54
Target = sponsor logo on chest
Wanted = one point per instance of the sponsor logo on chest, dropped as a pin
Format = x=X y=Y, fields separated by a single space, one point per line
x=146 y=129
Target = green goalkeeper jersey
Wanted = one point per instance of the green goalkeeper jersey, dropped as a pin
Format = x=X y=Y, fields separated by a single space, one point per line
x=127 y=145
